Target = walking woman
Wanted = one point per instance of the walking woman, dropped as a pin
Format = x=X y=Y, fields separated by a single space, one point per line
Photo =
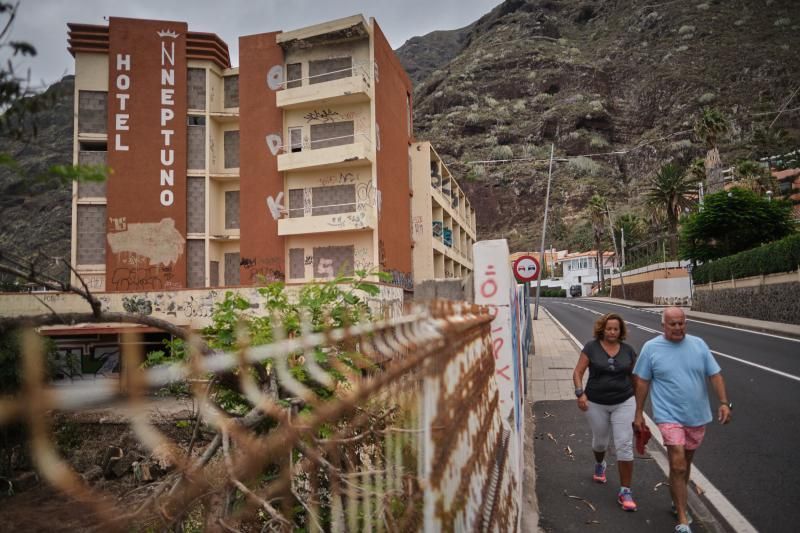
x=608 y=399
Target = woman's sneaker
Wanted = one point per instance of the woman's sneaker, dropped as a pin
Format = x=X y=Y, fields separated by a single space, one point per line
x=625 y=499
x=599 y=472
x=683 y=528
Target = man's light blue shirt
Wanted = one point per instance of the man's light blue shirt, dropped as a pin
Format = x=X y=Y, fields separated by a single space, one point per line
x=678 y=374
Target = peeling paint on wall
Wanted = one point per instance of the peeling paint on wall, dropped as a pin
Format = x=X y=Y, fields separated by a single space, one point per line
x=160 y=242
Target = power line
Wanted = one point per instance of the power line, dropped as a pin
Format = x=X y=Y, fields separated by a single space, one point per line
x=567 y=158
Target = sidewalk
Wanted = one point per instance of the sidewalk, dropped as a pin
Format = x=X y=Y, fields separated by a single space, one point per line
x=566 y=499
x=776 y=328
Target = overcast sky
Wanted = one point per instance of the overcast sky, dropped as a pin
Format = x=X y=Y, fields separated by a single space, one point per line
x=43 y=23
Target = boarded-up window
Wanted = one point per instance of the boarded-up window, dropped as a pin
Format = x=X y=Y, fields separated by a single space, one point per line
x=297 y=266
x=331 y=261
x=332 y=134
x=333 y=200
x=196 y=263
x=95 y=157
x=213 y=273
x=232 y=269
x=231 y=209
x=196 y=88
x=92 y=111
x=231 y=146
x=196 y=144
x=195 y=205
x=330 y=69
x=295 y=203
x=231 y=87
x=91 y=234
x=294 y=75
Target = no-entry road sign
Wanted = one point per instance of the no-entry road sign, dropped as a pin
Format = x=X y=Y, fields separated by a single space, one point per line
x=526 y=268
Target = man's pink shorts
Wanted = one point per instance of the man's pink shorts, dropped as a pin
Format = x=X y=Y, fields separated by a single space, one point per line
x=686 y=436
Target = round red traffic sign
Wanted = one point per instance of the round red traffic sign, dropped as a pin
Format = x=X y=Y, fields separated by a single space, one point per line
x=526 y=268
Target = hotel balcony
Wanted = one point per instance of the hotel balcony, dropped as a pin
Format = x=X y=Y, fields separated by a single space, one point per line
x=348 y=150
x=351 y=221
x=345 y=86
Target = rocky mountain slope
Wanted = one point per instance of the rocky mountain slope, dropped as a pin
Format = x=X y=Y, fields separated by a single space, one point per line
x=618 y=77
x=35 y=208
x=622 y=78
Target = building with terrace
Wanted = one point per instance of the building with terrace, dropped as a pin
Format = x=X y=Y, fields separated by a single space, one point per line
x=297 y=165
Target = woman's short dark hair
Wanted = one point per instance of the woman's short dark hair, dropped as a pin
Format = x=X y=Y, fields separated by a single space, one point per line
x=600 y=326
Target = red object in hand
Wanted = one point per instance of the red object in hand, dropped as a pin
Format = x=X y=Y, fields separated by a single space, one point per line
x=642 y=437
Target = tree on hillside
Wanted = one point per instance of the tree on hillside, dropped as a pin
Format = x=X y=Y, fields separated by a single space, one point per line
x=755 y=177
x=671 y=190
x=631 y=227
x=734 y=221
x=597 y=213
x=710 y=127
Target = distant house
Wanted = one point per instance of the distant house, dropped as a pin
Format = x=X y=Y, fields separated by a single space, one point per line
x=580 y=268
x=789 y=187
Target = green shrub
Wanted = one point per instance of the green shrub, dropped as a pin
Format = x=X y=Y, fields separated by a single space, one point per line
x=777 y=256
x=551 y=292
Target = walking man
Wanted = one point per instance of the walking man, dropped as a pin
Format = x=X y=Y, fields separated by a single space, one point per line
x=676 y=366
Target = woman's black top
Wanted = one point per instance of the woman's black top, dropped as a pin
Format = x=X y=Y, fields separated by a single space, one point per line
x=609 y=377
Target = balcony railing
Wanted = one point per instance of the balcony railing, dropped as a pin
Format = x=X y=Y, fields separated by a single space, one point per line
x=348 y=150
x=362 y=69
x=346 y=86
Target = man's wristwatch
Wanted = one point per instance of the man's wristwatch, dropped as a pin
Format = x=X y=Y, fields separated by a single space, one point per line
x=729 y=404
x=578 y=392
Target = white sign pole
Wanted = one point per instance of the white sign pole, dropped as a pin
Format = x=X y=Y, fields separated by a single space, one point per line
x=544 y=231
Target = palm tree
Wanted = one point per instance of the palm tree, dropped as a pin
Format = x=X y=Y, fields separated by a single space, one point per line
x=597 y=212
x=671 y=190
x=755 y=177
x=710 y=127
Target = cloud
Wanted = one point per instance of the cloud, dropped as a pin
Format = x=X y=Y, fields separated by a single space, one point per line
x=43 y=23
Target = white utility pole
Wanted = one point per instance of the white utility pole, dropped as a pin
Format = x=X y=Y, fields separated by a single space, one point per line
x=544 y=230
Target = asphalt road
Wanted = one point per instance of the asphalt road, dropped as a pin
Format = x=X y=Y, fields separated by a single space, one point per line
x=753 y=461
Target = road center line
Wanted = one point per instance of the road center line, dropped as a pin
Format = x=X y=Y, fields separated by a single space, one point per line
x=738 y=522
x=737 y=359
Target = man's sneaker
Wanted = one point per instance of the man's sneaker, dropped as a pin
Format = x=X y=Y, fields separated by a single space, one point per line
x=683 y=528
x=688 y=516
x=600 y=472
x=625 y=500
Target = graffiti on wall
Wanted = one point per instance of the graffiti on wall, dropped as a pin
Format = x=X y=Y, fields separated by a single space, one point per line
x=274 y=143
x=275 y=206
x=262 y=269
x=351 y=221
x=275 y=77
x=417 y=225
x=342 y=178
x=362 y=259
x=367 y=195
x=402 y=279
x=324 y=115
x=142 y=278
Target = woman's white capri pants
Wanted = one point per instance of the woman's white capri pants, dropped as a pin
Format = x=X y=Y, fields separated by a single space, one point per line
x=602 y=418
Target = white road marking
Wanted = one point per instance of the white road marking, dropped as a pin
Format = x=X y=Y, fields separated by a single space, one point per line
x=658 y=312
x=761 y=367
x=737 y=359
x=732 y=515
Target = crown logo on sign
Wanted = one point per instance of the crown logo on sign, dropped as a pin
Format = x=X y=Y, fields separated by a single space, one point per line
x=168 y=33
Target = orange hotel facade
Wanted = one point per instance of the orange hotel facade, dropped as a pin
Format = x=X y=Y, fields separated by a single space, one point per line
x=294 y=166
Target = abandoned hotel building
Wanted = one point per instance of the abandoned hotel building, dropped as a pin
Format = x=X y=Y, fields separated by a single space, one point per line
x=297 y=165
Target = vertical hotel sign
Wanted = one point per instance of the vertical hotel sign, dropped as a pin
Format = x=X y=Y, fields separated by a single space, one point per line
x=147 y=101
